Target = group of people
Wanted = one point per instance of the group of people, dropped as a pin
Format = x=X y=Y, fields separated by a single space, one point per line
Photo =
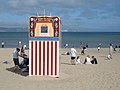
x=89 y=60
x=24 y=64
x=76 y=59
x=115 y=47
x=111 y=49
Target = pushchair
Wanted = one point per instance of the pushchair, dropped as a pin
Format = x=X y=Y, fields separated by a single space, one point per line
x=24 y=64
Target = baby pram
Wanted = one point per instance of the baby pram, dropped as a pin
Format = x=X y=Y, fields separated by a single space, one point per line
x=24 y=64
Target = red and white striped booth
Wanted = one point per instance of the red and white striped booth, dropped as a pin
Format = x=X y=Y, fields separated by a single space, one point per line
x=44 y=44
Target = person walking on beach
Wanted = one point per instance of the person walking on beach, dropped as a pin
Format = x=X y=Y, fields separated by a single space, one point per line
x=73 y=53
x=110 y=50
x=3 y=44
x=20 y=44
x=16 y=58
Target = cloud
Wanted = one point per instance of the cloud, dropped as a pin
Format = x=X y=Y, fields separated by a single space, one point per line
x=73 y=13
x=31 y=6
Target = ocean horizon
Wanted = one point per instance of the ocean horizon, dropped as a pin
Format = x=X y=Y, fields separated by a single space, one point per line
x=92 y=39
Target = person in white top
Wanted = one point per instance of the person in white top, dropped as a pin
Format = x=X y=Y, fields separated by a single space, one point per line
x=87 y=60
x=2 y=44
x=110 y=50
x=19 y=43
x=98 y=48
x=73 y=53
x=15 y=57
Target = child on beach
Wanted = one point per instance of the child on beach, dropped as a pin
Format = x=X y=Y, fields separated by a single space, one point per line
x=78 y=60
x=109 y=56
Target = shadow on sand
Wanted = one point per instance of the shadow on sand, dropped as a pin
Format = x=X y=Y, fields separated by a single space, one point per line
x=66 y=63
x=17 y=71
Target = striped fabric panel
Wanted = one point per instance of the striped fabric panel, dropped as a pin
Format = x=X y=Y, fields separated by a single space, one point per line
x=44 y=58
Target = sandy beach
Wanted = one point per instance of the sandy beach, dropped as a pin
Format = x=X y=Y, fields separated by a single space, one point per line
x=103 y=76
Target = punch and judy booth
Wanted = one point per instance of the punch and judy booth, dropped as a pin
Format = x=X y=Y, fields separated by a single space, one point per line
x=44 y=40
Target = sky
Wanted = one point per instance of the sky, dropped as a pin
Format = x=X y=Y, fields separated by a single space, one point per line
x=76 y=15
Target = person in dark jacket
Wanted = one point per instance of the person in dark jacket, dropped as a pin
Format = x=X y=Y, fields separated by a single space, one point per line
x=94 y=60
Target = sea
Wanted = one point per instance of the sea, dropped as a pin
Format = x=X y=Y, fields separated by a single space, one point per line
x=92 y=39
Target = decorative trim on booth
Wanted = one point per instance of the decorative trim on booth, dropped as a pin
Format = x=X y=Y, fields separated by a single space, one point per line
x=44 y=38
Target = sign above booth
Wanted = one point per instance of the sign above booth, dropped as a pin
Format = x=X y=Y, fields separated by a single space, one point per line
x=44 y=26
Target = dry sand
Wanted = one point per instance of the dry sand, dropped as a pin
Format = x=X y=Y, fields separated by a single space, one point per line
x=103 y=76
